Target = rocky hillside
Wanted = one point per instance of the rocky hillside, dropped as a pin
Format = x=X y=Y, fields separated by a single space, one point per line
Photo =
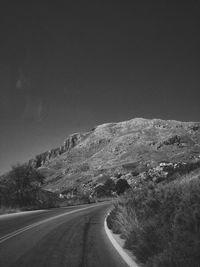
x=110 y=149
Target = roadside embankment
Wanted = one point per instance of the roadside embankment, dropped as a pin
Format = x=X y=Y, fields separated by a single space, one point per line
x=118 y=244
x=160 y=224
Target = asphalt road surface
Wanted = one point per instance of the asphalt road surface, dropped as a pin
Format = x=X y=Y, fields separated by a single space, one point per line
x=67 y=237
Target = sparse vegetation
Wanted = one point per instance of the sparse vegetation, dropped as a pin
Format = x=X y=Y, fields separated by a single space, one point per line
x=115 y=149
x=160 y=223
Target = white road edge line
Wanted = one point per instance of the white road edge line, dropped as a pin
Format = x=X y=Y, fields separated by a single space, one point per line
x=19 y=231
x=129 y=261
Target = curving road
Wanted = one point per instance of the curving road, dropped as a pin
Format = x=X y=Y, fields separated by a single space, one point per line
x=70 y=237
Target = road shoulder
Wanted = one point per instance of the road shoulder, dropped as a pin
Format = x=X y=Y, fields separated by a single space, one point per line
x=118 y=244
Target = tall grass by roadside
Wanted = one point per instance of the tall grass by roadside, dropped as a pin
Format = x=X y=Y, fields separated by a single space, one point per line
x=161 y=224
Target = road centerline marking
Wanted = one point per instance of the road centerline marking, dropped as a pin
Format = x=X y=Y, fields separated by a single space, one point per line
x=21 y=230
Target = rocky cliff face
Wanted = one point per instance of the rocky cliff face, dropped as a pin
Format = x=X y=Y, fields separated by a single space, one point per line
x=136 y=145
x=44 y=158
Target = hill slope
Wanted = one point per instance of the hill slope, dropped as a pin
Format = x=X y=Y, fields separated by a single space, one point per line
x=137 y=144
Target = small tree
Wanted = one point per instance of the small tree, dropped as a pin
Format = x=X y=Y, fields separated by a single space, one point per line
x=23 y=184
x=121 y=186
x=109 y=186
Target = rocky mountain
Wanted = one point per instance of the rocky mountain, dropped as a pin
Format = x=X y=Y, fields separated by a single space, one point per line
x=110 y=149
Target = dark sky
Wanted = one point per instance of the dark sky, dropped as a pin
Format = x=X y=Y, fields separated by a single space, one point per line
x=66 y=66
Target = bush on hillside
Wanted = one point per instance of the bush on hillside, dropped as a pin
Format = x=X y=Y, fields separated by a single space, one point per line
x=99 y=190
x=105 y=189
x=109 y=186
x=121 y=186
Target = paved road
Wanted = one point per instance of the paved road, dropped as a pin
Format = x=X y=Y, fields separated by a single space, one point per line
x=70 y=237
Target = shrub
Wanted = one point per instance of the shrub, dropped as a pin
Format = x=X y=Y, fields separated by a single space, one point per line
x=105 y=189
x=100 y=190
x=109 y=186
x=121 y=186
x=161 y=224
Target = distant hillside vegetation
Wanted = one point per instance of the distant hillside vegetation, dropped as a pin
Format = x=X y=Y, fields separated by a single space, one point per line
x=126 y=149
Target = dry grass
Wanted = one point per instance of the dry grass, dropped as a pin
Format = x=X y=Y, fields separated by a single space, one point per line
x=6 y=210
x=161 y=225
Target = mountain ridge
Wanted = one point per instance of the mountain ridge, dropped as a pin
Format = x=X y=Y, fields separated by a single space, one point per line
x=108 y=147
